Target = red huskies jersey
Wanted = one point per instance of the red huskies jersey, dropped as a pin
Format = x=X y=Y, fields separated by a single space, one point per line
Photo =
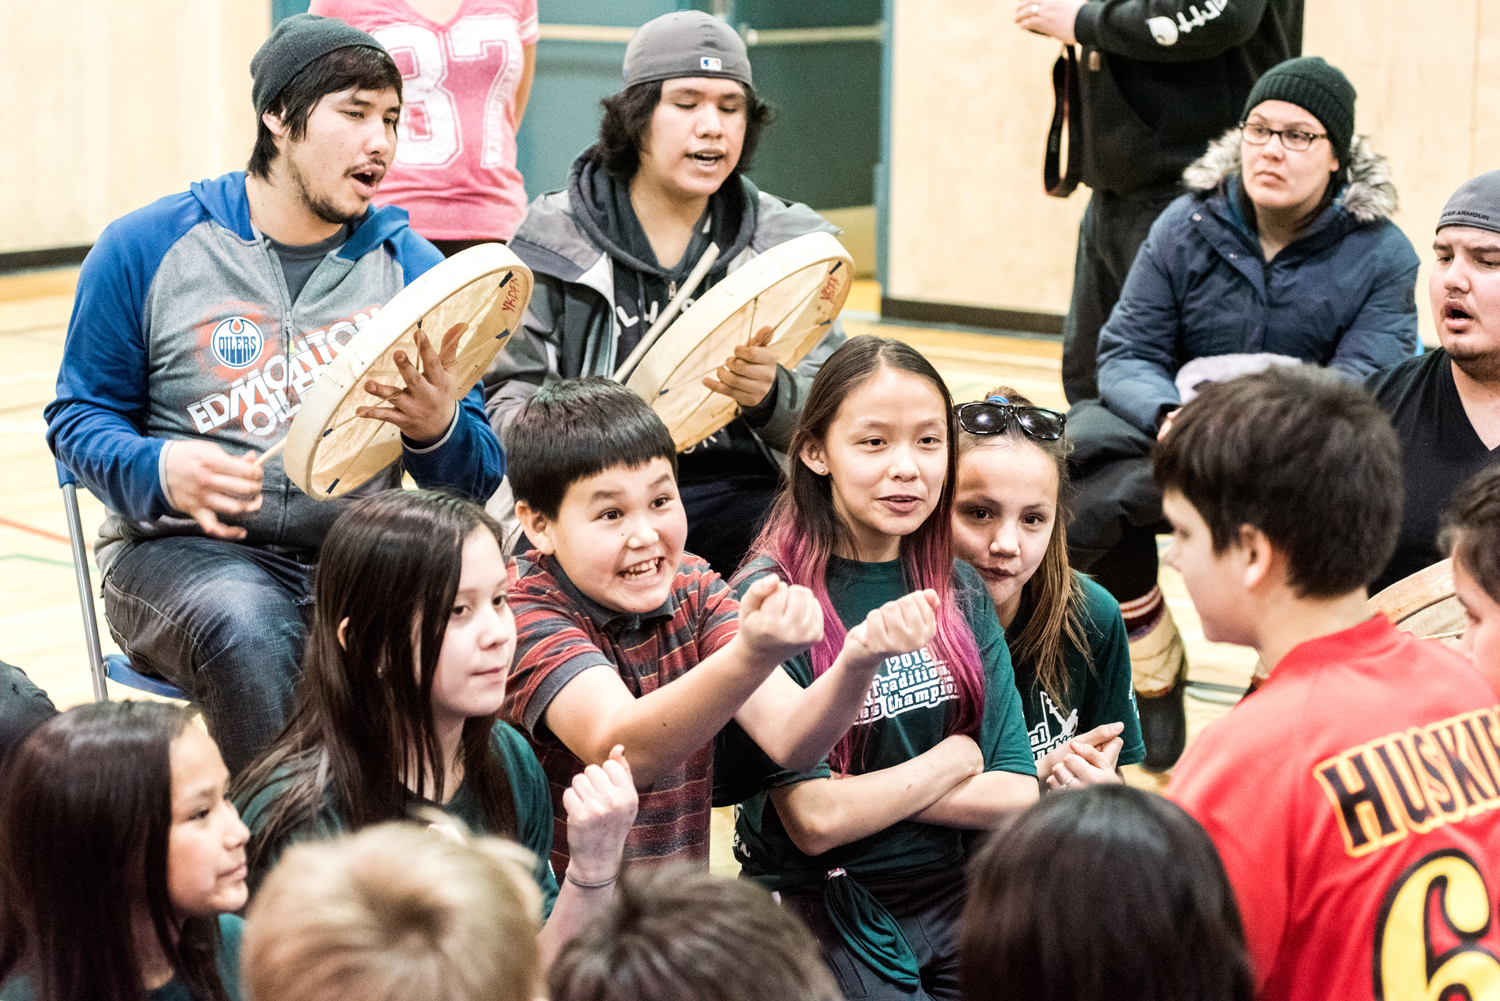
x=1353 y=801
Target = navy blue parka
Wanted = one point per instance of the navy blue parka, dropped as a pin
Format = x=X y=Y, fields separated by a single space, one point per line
x=1341 y=295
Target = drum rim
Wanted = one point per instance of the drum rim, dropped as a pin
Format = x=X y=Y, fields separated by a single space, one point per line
x=346 y=373
x=721 y=302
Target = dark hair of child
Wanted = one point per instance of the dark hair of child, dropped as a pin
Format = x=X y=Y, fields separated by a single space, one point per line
x=1471 y=529
x=363 y=726
x=1307 y=459
x=804 y=530
x=1057 y=620
x=677 y=933
x=358 y=67
x=85 y=816
x=627 y=122
x=1104 y=893
x=572 y=429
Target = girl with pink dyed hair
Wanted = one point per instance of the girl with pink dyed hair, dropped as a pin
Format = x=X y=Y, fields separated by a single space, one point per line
x=868 y=849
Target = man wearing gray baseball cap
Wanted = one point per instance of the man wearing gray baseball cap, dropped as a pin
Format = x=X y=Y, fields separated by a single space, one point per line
x=664 y=181
x=1445 y=404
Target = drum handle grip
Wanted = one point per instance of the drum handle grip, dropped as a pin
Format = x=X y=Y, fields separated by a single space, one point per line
x=670 y=313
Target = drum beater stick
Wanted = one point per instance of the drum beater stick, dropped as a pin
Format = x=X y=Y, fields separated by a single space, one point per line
x=659 y=327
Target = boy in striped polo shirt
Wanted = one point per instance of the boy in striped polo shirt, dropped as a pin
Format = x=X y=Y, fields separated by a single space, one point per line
x=624 y=639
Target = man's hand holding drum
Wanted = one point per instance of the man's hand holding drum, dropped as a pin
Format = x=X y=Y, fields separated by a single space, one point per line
x=424 y=409
x=750 y=374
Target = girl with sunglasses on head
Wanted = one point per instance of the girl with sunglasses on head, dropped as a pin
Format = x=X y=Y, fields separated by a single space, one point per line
x=868 y=849
x=1067 y=639
x=120 y=860
x=406 y=668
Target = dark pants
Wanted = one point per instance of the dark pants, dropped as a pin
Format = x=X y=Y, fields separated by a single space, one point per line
x=23 y=707
x=926 y=907
x=224 y=622
x=1116 y=506
x=1113 y=228
x=724 y=517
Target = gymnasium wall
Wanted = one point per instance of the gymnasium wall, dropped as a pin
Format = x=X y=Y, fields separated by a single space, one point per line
x=110 y=105
x=972 y=99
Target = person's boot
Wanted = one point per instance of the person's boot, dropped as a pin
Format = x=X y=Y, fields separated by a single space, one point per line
x=1158 y=667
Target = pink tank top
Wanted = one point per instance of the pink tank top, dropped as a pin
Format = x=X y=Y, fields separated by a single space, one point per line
x=455 y=168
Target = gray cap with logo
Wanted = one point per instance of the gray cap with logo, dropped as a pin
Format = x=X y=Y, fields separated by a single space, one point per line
x=685 y=43
x=1476 y=203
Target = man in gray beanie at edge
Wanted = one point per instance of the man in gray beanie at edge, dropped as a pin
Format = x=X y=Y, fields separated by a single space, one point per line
x=200 y=324
x=1445 y=404
x=664 y=181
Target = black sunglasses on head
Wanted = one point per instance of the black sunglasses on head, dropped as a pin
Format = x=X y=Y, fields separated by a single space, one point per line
x=994 y=415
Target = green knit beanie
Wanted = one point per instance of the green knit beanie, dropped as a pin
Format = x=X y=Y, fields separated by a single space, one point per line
x=1315 y=87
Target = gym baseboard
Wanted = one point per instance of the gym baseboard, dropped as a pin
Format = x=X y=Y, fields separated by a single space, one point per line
x=925 y=311
x=50 y=257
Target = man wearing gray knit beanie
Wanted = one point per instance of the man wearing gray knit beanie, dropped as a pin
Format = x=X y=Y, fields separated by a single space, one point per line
x=202 y=322
x=1445 y=404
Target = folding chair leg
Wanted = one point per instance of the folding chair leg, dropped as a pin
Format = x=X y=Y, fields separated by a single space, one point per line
x=85 y=592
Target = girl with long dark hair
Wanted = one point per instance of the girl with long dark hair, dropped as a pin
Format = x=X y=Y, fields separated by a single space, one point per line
x=1067 y=639
x=120 y=858
x=1110 y=893
x=405 y=671
x=869 y=849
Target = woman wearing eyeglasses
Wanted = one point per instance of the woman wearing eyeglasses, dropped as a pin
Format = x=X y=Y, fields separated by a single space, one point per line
x=1067 y=640
x=1282 y=251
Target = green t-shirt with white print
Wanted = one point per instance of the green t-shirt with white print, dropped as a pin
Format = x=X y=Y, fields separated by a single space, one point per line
x=1099 y=684
x=904 y=715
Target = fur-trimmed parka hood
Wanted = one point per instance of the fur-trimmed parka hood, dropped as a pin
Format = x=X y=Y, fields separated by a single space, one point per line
x=1369 y=195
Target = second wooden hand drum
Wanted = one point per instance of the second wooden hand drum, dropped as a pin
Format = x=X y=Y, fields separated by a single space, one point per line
x=797 y=288
x=330 y=451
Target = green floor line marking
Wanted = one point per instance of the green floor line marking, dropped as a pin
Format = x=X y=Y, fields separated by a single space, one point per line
x=37 y=559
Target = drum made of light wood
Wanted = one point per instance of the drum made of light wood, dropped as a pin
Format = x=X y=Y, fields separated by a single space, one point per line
x=329 y=450
x=797 y=288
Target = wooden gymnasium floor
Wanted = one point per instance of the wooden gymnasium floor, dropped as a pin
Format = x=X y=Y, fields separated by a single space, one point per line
x=40 y=629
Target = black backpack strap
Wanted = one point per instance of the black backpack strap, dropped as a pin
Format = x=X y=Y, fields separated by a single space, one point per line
x=1065 y=93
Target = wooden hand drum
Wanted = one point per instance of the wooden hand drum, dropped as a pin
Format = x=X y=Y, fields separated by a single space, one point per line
x=330 y=451
x=796 y=288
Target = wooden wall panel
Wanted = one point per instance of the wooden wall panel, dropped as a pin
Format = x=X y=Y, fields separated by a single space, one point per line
x=972 y=99
x=111 y=105
x=1419 y=79
x=969 y=221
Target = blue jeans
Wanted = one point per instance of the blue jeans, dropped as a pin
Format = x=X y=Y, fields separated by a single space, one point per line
x=223 y=621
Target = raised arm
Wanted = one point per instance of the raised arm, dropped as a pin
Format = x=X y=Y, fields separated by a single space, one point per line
x=594 y=711
x=1167 y=30
x=798 y=726
x=821 y=814
x=601 y=805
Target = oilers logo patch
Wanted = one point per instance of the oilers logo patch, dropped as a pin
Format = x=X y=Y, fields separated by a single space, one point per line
x=237 y=342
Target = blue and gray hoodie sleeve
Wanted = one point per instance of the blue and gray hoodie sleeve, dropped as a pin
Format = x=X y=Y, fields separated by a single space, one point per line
x=97 y=425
